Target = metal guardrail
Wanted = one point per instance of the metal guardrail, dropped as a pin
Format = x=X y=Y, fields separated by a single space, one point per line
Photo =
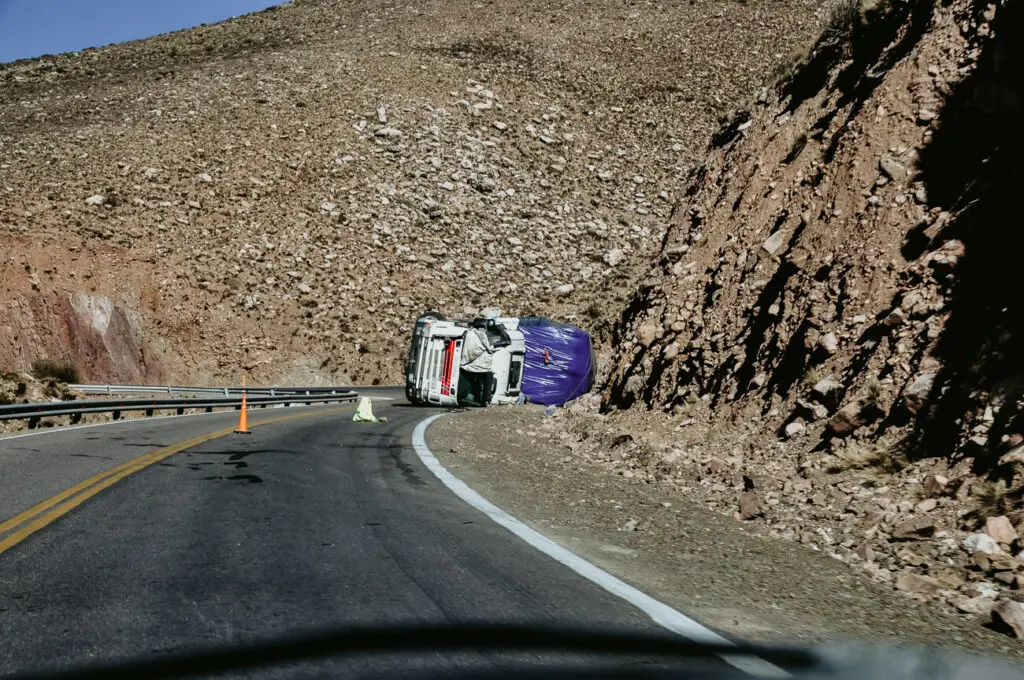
x=34 y=411
x=171 y=390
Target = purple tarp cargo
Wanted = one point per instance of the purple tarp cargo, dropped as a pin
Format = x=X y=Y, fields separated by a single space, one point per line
x=559 y=365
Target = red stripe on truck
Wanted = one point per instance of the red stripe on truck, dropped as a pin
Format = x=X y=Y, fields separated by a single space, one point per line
x=449 y=367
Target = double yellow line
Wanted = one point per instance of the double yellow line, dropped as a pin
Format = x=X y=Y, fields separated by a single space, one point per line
x=39 y=516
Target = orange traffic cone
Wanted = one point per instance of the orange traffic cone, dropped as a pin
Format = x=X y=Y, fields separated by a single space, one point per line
x=243 y=418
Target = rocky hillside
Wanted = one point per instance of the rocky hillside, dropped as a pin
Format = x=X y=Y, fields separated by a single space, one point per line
x=834 y=323
x=283 y=193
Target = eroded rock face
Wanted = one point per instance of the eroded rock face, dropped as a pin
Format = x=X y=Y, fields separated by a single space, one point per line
x=76 y=310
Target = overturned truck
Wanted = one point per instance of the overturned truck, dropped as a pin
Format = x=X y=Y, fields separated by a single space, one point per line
x=496 y=360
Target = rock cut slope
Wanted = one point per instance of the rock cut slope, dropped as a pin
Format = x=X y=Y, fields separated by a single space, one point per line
x=284 y=192
x=846 y=243
x=833 y=324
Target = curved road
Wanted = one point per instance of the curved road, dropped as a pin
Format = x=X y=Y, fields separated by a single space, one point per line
x=200 y=537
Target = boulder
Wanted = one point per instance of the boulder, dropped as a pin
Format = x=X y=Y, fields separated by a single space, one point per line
x=981 y=543
x=983 y=561
x=812 y=410
x=647 y=333
x=795 y=429
x=934 y=485
x=774 y=242
x=910 y=582
x=751 y=505
x=1014 y=455
x=827 y=388
x=846 y=420
x=925 y=506
x=1011 y=614
x=916 y=393
x=914 y=529
x=1001 y=529
x=896 y=318
x=982 y=589
x=1004 y=563
x=830 y=343
x=613 y=257
x=588 y=403
x=978 y=606
x=892 y=168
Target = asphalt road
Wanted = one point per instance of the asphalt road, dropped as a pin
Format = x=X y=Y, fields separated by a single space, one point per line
x=312 y=521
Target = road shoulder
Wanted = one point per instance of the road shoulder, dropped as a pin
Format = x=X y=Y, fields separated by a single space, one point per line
x=725 y=574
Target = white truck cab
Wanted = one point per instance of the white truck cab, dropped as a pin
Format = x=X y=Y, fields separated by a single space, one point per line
x=434 y=375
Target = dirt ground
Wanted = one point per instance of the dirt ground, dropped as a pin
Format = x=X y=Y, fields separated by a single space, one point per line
x=728 y=575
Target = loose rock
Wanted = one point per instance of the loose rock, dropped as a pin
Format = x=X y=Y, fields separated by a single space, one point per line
x=977 y=606
x=1000 y=529
x=846 y=420
x=1011 y=614
x=917 y=391
x=917 y=528
x=613 y=257
x=981 y=543
x=647 y=333
x=915 y=583
x=934 y=485
x=751 y=505
x=892 y=168
x=830 y=343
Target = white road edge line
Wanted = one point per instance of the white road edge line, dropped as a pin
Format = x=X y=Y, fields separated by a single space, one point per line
x=659 y=612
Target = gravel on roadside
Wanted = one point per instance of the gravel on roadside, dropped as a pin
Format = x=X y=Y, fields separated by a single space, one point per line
x=730 y=576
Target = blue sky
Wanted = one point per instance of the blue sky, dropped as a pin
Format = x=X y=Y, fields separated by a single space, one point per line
x=30 y=28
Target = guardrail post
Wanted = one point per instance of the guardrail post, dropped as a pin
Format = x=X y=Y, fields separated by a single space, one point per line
x=149 y=413
x=181 y=411
x=115 y=415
